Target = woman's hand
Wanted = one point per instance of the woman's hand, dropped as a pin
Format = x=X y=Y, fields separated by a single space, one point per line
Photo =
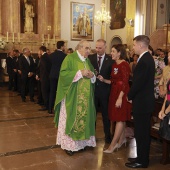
x=100 y=78
x=118 y=102
x=162 y=92
x=161 y=114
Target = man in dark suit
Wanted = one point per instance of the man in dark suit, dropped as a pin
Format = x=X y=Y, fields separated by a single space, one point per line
x=15 y=63
x=102 y=63
x=26 y=65
x=56 y=59
x=44 y=71
x=141 y=95
x=37 y=63
x=18 y=55
x=9 y=63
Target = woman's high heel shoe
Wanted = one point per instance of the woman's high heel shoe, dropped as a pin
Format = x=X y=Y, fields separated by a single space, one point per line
x=124 y=142
x=110 y=151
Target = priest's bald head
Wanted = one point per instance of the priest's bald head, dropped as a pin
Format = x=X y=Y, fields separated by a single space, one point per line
x=84 y=48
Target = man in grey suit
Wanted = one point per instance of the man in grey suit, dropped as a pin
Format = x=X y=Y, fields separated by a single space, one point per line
x=141 y=95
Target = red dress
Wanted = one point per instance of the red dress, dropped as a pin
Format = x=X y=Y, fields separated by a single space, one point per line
x=119 y=82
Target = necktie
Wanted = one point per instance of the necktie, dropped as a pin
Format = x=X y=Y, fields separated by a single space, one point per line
x=28 y=60
x=99 y=61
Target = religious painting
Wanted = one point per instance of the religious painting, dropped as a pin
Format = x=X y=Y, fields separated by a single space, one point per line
x=118 y=14
x=82 y=21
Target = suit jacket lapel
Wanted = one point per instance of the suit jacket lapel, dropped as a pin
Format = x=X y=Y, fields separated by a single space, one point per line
x=26 y=61
x=96 y=62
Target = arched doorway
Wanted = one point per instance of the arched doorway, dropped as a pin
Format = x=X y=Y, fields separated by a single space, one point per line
x=115 y=40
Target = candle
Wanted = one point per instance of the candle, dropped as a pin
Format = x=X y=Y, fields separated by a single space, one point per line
x=18 y=37
x=13 y=37
x=48 y=38
x=6 y=36
x=42 y=38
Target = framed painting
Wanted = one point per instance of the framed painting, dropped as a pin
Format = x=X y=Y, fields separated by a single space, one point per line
x=118 y=14
x=82 y=21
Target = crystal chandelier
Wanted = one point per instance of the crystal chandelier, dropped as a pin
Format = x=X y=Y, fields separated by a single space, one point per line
x=102 y=17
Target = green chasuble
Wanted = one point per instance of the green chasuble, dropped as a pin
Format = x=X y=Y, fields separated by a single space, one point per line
x=79 y=99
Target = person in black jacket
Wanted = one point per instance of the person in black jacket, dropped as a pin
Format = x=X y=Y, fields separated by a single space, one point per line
x=141 y=95
x=44 y=71
x=9 y=62
x=37 y=63
x=56 y=59
x=26 y=65
x=102 y=63
x=18 y=55
x=15 y=69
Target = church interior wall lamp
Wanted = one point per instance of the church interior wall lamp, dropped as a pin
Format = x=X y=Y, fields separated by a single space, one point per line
x=129 y=22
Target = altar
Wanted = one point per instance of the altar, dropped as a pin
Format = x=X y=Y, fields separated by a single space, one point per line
x=29 y=23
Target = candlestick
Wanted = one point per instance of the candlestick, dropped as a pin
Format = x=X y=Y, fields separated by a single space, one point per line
x=48 y=38
x=13 y=37
x=6 y=36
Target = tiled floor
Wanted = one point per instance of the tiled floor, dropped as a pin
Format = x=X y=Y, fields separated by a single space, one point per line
x=27 y=142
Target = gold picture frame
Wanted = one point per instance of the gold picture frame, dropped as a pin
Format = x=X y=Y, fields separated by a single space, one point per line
x=82 y=21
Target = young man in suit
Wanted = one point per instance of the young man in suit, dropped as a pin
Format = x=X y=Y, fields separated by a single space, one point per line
x=141 y=95
x=56 y=59
x=26 y=65
x=102 y=63
x=44 y=71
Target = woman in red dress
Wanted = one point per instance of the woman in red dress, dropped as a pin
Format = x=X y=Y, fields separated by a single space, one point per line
x=119 y=108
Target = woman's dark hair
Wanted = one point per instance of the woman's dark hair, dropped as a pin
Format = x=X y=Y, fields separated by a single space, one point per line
x=121 y=48
x=151 y=49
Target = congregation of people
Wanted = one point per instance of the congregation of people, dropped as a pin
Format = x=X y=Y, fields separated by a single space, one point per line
x=36 y=76
x=76 y=85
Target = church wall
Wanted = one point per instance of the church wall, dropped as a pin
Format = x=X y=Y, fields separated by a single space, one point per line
x=126 y=34
x=161 y=13
x=66 y=22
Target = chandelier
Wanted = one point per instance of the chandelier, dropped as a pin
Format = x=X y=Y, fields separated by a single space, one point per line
x=102 y=17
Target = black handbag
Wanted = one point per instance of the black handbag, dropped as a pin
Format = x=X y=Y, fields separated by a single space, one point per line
x=164 y=129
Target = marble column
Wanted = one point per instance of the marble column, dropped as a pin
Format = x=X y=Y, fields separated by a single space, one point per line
x=10 y=14
x=46 y=16
x=153 y=12
x=41 y=16
x=57 y=16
